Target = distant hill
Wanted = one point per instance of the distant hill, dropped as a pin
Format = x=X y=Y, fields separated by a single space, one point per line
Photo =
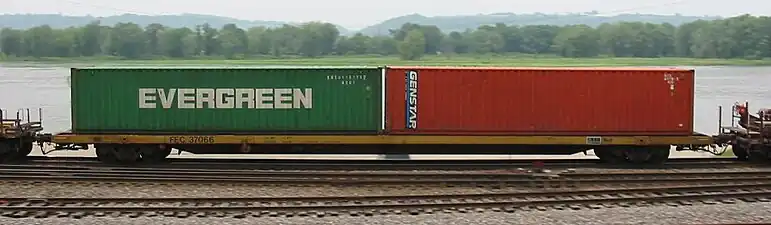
x=25 y=21
x=461 y=23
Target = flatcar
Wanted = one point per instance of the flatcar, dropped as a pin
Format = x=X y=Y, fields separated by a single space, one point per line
x=626 y=115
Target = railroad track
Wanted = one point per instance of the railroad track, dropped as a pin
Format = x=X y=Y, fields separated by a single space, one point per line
x=566 y=178
x=325 y=164
x=377 y=205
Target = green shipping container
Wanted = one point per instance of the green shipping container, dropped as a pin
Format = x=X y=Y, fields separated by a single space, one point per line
x=227 y=100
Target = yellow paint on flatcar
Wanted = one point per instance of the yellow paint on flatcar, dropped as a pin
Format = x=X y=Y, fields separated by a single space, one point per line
x=380 y=139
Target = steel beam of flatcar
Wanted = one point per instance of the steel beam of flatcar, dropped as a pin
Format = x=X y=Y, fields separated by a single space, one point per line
x=380 y=139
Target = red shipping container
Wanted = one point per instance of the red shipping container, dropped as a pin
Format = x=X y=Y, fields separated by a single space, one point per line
x=539 y=101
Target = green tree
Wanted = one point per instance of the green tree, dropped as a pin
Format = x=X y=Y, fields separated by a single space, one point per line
x=178 y=43
x=357 y=44
x=577 y=41
x=317 y=39
x=91 y=39
x=153 y=36
x=538 y=39
x=432 y=35
x=413 y=46
x=486 y=41
x=126 y=39
x=259 y=41
x=234 y=41
x=209 y=41
x=39 y=41
x=11 y=42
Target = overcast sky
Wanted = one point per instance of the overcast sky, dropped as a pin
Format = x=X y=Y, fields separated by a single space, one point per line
x=360 y=13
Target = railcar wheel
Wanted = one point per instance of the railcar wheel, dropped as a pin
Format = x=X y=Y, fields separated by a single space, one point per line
x=127 y=154
x=758 y=153
x=25 y=149
x=602 y=155
x=6 y=151
x=634 y=154
x=741 y=153
x=153 y=153
x=638 y=155
x=106 y=153
x=610 y=155
x=658 y=154
x=647 y=154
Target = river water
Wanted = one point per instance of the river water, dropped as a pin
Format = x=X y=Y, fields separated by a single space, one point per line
x=46 y=87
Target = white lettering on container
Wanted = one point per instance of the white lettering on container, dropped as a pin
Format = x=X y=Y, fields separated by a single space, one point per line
x=226 y=98
x=301 y=98
x=281 y=98
x=146 y=98
x=263 y=101
x=244 y=95
x=186 y=98
x=411 y=99
x=166 y=99
x=204 y=95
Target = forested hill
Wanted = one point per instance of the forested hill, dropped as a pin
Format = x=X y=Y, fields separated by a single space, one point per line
x=444 y=23
x=26 y=21
x=461 y=23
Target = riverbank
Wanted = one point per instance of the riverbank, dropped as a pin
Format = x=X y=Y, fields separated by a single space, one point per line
x=427 y=61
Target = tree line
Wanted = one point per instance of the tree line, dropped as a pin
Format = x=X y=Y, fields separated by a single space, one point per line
x=743 y=36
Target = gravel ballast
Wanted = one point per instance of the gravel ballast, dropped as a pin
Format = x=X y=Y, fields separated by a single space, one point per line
x=75 y=190
x=660 y=215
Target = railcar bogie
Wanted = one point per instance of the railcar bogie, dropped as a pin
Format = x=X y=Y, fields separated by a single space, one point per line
x=131 y=153
x=654 y=154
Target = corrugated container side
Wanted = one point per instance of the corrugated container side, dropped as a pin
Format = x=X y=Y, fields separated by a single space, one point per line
x=127 y=100
x=539 y=101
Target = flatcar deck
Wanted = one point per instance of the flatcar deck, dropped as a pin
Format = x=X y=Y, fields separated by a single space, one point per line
x=696 y=139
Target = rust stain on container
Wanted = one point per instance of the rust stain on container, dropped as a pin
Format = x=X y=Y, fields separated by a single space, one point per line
x=539 y=101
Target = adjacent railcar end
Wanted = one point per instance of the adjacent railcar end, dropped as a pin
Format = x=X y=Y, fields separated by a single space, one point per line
x=747 y=135
x=18 y=133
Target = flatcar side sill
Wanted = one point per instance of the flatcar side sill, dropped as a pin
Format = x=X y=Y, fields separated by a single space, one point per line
x=696 y=139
